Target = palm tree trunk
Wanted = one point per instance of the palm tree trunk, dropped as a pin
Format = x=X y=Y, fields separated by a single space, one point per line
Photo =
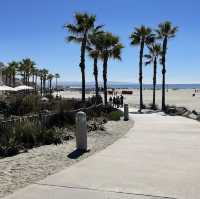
x=154 y=82
x=36 y=82
x=44 y=85
x=41 y=87
x=6 y=79
x=13 y=79
x=10 y=79
x=56 y=84
x=24 y=78
x=140 y=74
x=105 y=65
x=50 y=85
x=163 y=72
x=33 y=79
x=82 y=65
x=96 y=77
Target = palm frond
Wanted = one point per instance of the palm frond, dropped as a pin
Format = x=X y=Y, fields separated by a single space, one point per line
x=74 y=39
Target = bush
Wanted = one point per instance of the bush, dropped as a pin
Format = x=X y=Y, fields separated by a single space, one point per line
x=50 y=136
x=115 y=115
x=25 y=136
x=4 y=108
x=29 y=104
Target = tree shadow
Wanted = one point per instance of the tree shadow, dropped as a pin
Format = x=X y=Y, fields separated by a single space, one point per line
x=77 y=153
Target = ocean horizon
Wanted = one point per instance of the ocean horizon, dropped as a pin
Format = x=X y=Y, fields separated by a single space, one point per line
x=132 y=85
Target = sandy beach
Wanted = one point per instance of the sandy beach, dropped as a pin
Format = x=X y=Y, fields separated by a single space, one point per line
x=180 y=97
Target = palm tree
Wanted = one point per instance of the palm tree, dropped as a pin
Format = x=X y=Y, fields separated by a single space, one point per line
x=94 y=52
x=44 y=78
x=57 y=76
x=50 y=78
x=110 y=48
x=8 y=74
x=152 y=58
x=13 y=67
x=141 y=36
x=41 y=81
x=37 y=73
x=84 y=23
x=26 y=67
x=165 y=31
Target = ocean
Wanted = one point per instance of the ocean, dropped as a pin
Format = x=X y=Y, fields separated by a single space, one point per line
x=133 y=86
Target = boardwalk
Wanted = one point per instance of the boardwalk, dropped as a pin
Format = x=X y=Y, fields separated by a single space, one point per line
x=158 y=158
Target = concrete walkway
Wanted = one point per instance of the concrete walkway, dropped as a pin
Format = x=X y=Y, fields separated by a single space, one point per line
x=158 y=158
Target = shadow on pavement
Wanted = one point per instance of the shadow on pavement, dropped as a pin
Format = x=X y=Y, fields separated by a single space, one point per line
x=77 y=153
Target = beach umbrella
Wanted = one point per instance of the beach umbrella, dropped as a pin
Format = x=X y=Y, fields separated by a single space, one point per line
x=23 y=87
x=6 y=88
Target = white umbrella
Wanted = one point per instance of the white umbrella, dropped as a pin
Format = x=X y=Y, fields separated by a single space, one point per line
x=23 y=87
x=6 y=88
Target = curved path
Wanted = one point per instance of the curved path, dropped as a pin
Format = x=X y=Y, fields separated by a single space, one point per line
x=158 y=158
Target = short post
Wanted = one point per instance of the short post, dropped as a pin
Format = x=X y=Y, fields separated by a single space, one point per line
x=81 y=131
x=126 y=112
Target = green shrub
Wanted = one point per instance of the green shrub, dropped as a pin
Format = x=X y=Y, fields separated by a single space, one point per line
x=25 y=134
x=29 y=104
x=50 y=136
x=115 y=115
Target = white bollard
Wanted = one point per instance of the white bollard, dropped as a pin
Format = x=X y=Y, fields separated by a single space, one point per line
x=126 y=112
x=81 y=131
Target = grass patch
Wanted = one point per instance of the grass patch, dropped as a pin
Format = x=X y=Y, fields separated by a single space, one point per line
x=115 y=115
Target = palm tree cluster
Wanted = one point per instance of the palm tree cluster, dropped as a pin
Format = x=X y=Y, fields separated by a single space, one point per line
x=99 y=44
x=156 y=42
x=29 y=74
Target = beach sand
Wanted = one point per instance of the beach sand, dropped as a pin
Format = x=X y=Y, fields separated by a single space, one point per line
x=180 y=97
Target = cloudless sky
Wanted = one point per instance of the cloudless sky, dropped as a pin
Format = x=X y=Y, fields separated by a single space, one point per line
x=34 y=28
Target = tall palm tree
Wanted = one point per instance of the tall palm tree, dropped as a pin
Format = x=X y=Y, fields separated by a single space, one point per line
x=44 y=79
x=110 y=48
x=57 y=76
x=152 y=58
x=94 y=52
x=26 y=66
x=13 y=67
x=141 y=36
x=8 y=74
x=37 y=74
x=50 y=78
x=84 y=23
x=165 y=31
x=41 y=82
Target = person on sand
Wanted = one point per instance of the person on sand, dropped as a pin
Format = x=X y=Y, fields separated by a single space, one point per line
x=122 y=100
x=110 y=100
x=114 y=101
x=118 y=101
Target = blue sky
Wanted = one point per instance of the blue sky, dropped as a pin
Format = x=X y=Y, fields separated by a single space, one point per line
x=33 y=28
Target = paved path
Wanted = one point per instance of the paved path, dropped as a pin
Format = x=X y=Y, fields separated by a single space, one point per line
x=158 y=158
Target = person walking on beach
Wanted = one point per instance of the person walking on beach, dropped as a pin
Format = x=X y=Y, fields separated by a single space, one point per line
x=110 y=100
x=122 y=100
x=114 y=101
x=118 y=102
